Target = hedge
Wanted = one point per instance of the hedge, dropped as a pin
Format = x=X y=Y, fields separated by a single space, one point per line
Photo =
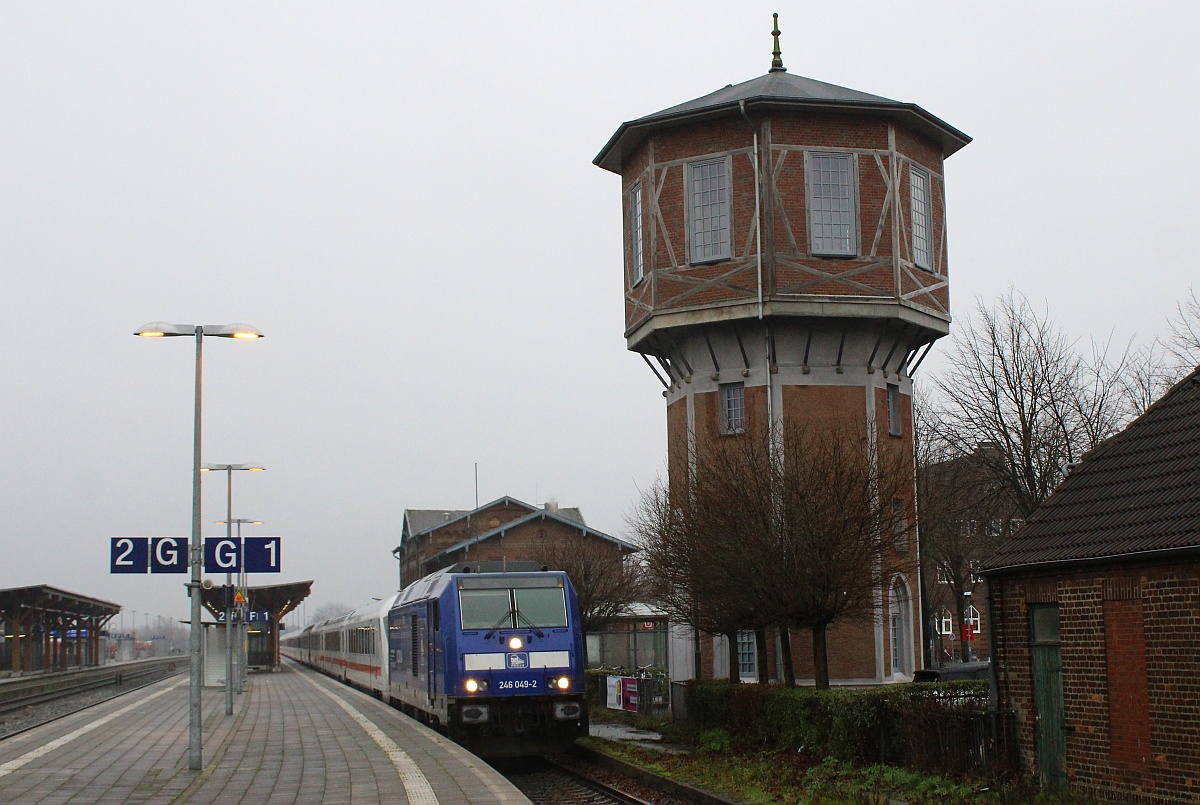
x=898 y=724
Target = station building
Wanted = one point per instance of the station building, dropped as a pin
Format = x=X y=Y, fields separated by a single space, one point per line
x=786 y=263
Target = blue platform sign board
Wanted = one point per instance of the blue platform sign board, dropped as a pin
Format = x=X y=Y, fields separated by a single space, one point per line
x=130 y=555
x=258 y=616
x=168 y=555
x=263 y=555
x=222 y=555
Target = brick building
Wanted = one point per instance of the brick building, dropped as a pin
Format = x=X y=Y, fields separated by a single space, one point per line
x=1095 y=604
x=506 y=529
x=785 y=263
x=965 y=516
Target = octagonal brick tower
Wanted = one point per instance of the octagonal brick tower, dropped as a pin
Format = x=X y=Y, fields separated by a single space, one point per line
x=785 y=261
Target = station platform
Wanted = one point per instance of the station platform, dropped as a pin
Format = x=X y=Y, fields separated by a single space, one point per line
x=294 y=737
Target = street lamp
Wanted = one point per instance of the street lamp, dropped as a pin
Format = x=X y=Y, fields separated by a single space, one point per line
x=162 y=329
x=228 y=470
x=241 y=585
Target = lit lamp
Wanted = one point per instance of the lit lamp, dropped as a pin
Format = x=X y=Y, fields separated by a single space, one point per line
x=162 y=329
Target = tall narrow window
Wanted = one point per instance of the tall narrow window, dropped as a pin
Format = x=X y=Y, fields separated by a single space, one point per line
x=893 y=404
x=831 y=203
x=919 y=185
x=709 y=193
x=635 y=230
x=747 y=650
x=733 y=408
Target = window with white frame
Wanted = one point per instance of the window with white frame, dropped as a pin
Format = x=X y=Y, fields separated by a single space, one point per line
x=893 y=404
x=747 y=651
x=709 y=209
x=638 y=262
x=831 y=204
x=943 y=575
x=945 y=623
x=919 y=186
x=733 y=408
x=973 y=618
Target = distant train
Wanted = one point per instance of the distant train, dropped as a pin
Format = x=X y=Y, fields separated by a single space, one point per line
x=494 y=659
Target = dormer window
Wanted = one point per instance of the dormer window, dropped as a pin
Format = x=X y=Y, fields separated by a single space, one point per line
x=708 y=193
x=831 y=205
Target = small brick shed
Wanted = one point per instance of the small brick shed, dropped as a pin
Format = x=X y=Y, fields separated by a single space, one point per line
x=1095 y=605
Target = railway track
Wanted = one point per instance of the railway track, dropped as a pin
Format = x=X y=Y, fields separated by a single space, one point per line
x=29 y=702
x=572 y=780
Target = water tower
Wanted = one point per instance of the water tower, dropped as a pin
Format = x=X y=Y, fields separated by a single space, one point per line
x=786 y=261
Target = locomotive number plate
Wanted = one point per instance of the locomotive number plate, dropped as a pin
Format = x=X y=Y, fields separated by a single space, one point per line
x=517 y=684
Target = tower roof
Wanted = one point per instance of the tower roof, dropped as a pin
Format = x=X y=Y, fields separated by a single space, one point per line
x=777 y=90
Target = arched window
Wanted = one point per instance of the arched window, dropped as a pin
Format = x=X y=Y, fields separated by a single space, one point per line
x=902 y=629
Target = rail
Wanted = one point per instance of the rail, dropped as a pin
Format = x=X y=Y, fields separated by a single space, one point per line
x=20 y=692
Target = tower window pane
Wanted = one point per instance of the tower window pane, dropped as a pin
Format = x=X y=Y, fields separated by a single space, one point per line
x=832 y=205
x=919 y=185
x=733 y=408
x=635 y=228
x=709 y=210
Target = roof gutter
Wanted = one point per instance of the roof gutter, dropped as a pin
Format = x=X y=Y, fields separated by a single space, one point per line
x=1091 y=560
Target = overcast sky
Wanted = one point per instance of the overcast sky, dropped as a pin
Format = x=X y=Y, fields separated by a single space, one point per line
x=402 y=198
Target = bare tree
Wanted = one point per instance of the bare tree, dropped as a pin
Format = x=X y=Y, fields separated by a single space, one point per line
x=329 y=610
x=800 y=530
x=702 y=552
x=842 y=529
x=605 y=579
x=1184 y=343
x=1017 y=382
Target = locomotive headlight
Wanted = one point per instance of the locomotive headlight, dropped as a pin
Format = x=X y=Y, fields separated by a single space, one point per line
x=515 y=644
x=472 y=686
x=563 y=682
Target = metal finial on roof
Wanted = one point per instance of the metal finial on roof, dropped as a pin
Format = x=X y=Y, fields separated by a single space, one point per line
x=777 y=61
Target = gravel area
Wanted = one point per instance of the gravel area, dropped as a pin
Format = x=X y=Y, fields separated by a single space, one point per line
x=35 y=714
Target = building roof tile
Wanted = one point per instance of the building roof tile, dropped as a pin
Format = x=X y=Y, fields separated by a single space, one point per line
x=1136 y=493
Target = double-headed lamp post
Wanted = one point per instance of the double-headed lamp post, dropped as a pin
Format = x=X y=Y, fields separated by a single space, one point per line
x=241 y=585
x=228 y=470
x=162 y=329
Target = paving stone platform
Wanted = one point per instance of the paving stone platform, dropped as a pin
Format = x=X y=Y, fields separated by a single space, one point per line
x=294 y=737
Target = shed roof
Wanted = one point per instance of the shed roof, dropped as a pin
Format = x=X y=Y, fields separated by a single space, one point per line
x=543 y=515
x=777 y=90
x=422 y=521
x=1135 y=495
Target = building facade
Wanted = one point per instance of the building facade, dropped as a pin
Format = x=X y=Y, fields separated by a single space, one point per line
x=1093 y=605
x=786 y=264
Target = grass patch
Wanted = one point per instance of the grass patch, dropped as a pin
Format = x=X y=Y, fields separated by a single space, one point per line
x=798 y=778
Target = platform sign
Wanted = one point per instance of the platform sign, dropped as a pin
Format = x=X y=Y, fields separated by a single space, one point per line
x=263 y=554
x=253 y=616
x=168 y=555
x=129 y=555
x=222 y=555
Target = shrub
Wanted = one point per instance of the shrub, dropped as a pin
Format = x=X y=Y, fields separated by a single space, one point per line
x=892 y=724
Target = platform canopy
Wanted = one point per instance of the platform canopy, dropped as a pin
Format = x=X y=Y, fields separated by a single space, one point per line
x=17 y=603
x=278 y=599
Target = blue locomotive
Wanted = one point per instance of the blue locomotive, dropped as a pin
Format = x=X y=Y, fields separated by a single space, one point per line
x=493 y=658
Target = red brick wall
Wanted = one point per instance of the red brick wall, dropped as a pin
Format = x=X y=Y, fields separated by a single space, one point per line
x=789 y=269
x=1118 y=691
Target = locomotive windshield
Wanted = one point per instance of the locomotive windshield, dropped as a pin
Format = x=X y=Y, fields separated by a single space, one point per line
x=544 y=607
